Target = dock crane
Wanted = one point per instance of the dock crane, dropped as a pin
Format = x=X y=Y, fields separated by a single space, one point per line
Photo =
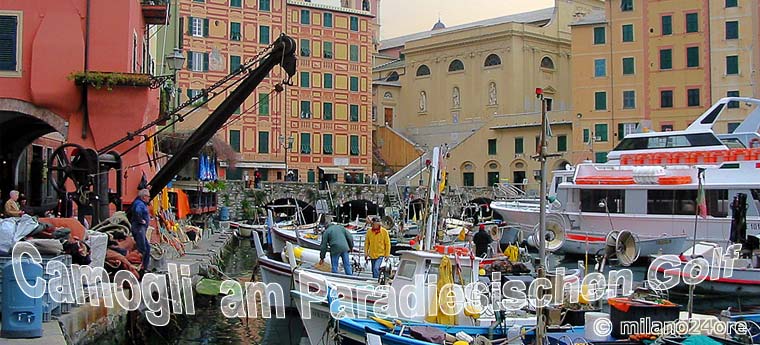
x=84 y=172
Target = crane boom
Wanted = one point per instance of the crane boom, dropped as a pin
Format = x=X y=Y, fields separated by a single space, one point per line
x=283 y=54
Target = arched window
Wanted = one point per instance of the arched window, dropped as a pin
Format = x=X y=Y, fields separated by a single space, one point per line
x=456 y=65
x=388 y=95
x=365 y=5
x=423 y=71
x=547 y=63
x=492 y=60
x=393 y=76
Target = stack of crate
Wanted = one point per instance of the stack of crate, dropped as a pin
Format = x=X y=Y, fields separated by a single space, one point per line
x=49 y=307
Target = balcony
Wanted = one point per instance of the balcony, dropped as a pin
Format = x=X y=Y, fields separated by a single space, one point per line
x=155 y=11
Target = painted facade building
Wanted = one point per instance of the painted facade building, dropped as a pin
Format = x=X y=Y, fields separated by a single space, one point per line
x=323 y=119
x=472 y=88
x=657 y=65
x=42 y=44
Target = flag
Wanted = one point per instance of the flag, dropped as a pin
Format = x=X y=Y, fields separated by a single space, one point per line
x=701 y=202
x=548 y=125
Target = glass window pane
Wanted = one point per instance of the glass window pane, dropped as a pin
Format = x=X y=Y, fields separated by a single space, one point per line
x=692 y=22
x=732 y=64
x=600 y=100
x=733 y=104
x=692 y=57
x=600 y=68
x=667 y=25
x=628 y=67
x=666 y=59
x=599 y=35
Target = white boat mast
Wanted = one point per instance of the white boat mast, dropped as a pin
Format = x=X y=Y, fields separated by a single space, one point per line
x=432 y=220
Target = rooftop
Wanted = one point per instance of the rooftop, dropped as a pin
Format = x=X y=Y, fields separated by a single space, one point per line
x=330 y=7
x=526 y=17
x=594 y=17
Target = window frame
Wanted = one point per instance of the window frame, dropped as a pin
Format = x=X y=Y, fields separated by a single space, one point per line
x=625 y=33
x=239 y=36
x=596 y=100
x=307 y=20
x=492 y=147
x=263 y=107
x=351 y=140
x=735 y=69
x=325 y=107
x=670 y=97
x=732 y=104
x=597 y=129
x=353 y=113
x=327 y=149
x=492 y=60
x=600 y=36
x=632 y=65
x=423 y=72
x=690 y=29
x=268 y=5
x=305 y=47
x=305 y=144
x=628 y=93
x=669 y=25
x=735 y=30
x=669 y=59
x=304 y=80
x=304 y=109
x=197 y=30
x=519 y=144
x=325 y=22
x=689 y=56
x=14 y=68
x=353 y=23
x=325 y=78
x=626 y=5
x=325 y=51
x=353 y=53
x=353 y=84
x=235 y=148
x=562 y=143
x=691 y=96
x=454 y=67
x=268 y=34
x=263 y=148
x=603 y=66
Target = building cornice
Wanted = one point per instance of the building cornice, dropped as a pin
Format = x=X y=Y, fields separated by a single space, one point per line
x=330 y=8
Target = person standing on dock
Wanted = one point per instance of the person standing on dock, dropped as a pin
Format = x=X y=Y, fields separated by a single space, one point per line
x=377 y=247
x=340 y=242
x=12 y=208
x=482 y=240
x=140 y=218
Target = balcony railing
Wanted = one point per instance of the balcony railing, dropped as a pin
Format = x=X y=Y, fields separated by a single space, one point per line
x=155 y=11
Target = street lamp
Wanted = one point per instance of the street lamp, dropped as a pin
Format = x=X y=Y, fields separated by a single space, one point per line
x=287 y=146
x=174 y=61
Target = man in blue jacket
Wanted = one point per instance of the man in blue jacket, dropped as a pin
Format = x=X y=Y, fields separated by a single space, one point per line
x=139 y=221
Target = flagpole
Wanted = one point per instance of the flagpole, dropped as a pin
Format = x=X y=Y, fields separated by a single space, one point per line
x=700 y=201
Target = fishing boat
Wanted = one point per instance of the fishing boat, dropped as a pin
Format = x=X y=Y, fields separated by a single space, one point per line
x=246 y=230
x=650 y=187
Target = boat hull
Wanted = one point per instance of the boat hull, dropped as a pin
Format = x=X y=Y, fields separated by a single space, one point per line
x=743 y=282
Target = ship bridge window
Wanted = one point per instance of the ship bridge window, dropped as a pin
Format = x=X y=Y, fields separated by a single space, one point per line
x=733 y=143
x=594 y=200
x=668 y=141
x=433 y=270
x=683 y=202
x=406 y=269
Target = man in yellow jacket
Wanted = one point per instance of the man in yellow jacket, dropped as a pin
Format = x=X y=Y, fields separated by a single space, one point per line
x=377 y=246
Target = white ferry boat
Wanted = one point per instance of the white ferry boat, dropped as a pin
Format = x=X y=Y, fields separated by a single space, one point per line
x=650 y=187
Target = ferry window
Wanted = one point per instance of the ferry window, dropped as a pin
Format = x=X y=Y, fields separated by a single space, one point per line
x=733 y=143
x=673 y=202
x=466 y=273
x=614 y=199
x=717 y=202
x=406 y=269
x=668 y=141
x=756 y=197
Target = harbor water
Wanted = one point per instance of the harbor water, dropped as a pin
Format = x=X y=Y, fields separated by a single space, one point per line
x=210 y=326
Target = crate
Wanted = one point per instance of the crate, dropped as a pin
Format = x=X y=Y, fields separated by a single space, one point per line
x=49 y=307
x=623 y=309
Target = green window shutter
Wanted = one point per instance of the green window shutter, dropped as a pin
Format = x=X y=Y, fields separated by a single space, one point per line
x=667 y=25
x=732 y=30
x=354 y=145
x=205 y=62
x=628 y=66
x=327 y=51
x=305 y=47
x=628 y=33
x=600 y=100
x=468 y=179
x=328 y=81
x=190 y=26
x=621 y=129
x=354 y=84
x=666 y=59
x=264 y=34
x=236 y=3
x=732 y=64
x=327 y=111
x=304 y=79
x=600 y=157
x=305 y=143
x=180 y=32
x=263 y=142
x=327 y=21
x=234 y=63
x=731 y=3
x=327 y=144
x=599 y=35
x=264 y=5
x=692 y=22
x=263 y=104
x=600 y=132
x=562 y=143
x=692 y=57
x=519 y=145
x=235 y=140
x=235 y=34
x=354 y=53
x=354 y=111
x=586 y=135
x=354 y=24
x=492 y=147
x=310 y=176
x=205 y=27
x=305 y=17
x=189 y=93
x=732 y=104
x=190 y=61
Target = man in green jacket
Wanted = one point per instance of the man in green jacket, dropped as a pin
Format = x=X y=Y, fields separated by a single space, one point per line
x=340 y=242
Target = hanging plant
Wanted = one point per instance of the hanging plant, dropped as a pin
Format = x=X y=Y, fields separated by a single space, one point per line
x=108 y=80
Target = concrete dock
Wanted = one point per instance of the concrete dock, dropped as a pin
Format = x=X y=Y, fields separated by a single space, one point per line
x=85 y=324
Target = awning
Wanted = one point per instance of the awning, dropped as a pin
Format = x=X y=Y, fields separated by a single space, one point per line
x=251 y=165
x=331 y=170
x=353 y=168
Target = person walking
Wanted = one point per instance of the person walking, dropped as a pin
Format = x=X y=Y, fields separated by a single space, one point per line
x=482 y=240
x=339 y=242
x=140 y=219
x=12 y=208
x=377 y=247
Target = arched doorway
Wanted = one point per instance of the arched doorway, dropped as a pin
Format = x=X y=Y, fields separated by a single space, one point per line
x=28 y=136
x=290 y=206
x=361 y=208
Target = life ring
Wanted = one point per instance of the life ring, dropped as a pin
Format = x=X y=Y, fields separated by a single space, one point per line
x=754 y=141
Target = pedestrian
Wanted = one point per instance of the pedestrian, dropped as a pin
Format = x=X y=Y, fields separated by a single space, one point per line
x=482 y=240
x=12 y=207
x=374 y=179
x=377 y=247
x=340 y=242
x=140 y=219
x=257 y=179
x=247 y=180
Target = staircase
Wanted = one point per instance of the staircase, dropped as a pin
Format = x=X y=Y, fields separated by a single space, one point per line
x=506 y=191
x=410 y=171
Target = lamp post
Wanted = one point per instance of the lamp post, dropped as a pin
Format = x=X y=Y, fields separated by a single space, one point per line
x=174 y=61
x=287 y=145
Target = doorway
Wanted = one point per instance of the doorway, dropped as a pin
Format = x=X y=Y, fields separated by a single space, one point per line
x=389 y=117
x=518 y=179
